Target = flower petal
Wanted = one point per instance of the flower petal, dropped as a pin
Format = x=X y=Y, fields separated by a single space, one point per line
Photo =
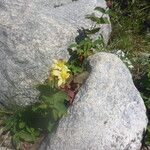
x=55 y=73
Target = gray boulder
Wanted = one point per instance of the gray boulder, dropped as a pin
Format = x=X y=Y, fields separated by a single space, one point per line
x=32 y=33
x=108 y=112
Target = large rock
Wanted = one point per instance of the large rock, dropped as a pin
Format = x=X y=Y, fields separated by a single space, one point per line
x=32 y=33
x=108 y=112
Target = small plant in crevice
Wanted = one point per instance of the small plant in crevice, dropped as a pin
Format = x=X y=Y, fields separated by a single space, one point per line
x=26 y=124
x=87 y=44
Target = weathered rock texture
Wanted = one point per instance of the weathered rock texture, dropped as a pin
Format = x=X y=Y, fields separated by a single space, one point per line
x=32 y=33
x=108 y=112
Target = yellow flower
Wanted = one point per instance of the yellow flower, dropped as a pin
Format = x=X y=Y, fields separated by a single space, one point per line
x=59 y=64
x=60 y=70
x=63 y=76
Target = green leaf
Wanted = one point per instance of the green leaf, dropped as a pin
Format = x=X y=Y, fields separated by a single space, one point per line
x=111 y=13
x=24 y=135
x=61 y=110
x=47 y=100
x=55 y=114
x=103 y=20
x=98 y=44
x=92 y=17
x=45 y=89
x=42 y=106
x=75 y=69
x=102 y=10
x=15 y=139
x=21 y=125
x=72 y=45
x=50 y=126
x=59 y=97
x=98 y=20
x=31 y=130
x=9 y=124
x=91 y=31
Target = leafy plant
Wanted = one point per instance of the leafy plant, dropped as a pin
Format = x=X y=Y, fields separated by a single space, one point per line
x=25 y=124
x=82 y=49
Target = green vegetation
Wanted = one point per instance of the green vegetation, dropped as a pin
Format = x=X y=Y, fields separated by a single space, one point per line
x=130 y=21
x=87 y=46
x=131 y=34
x=26 y=124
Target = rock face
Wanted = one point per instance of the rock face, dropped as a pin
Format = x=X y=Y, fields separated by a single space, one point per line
x=32 y=33
x=107 y=114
